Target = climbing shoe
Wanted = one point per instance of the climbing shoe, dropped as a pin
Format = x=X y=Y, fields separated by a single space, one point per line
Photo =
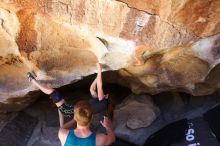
x=30 y=76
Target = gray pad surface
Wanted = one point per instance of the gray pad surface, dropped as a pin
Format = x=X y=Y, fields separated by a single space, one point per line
x=18 y=131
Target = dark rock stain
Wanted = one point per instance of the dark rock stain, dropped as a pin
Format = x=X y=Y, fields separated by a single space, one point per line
x=216 y=49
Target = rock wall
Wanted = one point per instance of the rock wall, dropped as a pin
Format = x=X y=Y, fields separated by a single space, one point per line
x=186 y=68
x=57 y=40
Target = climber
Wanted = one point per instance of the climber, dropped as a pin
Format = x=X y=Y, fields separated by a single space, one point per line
x=82 y=135
x=99 y=100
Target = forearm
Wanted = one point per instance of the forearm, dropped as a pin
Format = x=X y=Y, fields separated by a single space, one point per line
x=99 y=85
x=111 y=136
x=63 y=125
x=61 y=118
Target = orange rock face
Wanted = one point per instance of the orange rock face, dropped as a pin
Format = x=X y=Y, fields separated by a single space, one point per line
x=58 y=41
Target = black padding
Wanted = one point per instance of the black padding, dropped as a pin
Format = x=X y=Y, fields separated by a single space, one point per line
x=197 y=134
x=120 y=142
x=169 y=134
x=213 y=119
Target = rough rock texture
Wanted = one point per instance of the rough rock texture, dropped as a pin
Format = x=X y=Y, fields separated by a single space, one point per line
x=138 y=111
x=196 y=18
x=56 y=39
x=186 y=68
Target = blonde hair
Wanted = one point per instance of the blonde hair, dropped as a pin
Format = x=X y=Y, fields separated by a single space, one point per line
x=83 y=113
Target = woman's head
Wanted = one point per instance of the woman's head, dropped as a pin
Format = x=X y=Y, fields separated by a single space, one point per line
x=82 y=112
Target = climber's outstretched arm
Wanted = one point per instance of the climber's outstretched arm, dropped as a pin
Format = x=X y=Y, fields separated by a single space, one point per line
x=44 y=89
x=99 y=82
x=55 y=95
x=96 y=88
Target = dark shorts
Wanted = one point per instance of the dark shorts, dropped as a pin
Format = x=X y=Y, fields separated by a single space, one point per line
x=67 y=109
x=97 y=106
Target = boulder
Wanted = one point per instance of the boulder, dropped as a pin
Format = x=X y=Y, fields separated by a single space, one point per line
x=56 y=52
x=186 y=69
x=60 y=41
x=132 y=115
